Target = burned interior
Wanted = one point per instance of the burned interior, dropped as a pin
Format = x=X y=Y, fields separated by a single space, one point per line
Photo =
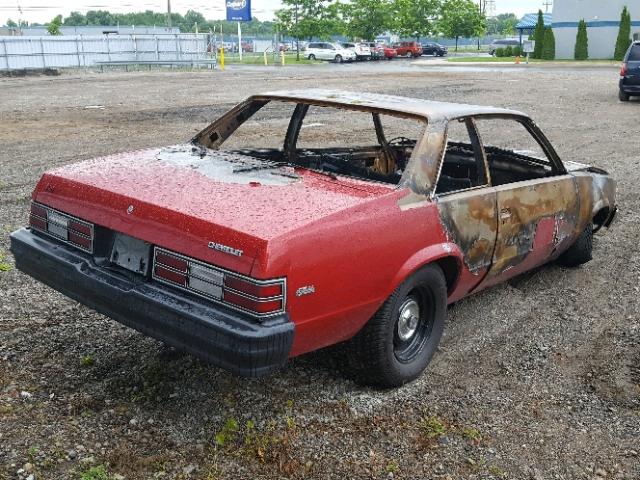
x=376 y=144
x=373 y=146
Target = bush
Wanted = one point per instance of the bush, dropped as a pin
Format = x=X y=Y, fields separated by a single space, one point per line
x=508 y=51
x=624 y=35
x=582 y=42
x=549 y=47
x=500 y=52
x=517 y=51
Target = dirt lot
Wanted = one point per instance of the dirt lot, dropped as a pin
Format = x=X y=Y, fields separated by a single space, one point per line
x=538 y=378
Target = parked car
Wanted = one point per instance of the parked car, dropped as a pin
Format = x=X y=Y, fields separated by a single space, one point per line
x=389 y=52
x=503 y=43
x=329 y=51
x=377 y=51
x=630 y=73
x=247 y=257
x=434 y=49
x=408 y=49
x=362 y=50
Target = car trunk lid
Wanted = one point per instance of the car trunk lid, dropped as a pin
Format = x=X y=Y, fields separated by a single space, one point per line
x=219 y=207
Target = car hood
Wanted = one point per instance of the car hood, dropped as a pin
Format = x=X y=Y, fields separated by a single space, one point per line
x=186 y=198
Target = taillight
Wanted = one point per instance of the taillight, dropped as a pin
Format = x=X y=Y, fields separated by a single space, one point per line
x=258 y=297
x=64 y=227
x=623 y=70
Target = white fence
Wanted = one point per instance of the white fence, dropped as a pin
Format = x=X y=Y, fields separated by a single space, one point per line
x=85 y=51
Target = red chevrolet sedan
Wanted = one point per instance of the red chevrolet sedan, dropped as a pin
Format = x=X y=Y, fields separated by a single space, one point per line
x=303 y=219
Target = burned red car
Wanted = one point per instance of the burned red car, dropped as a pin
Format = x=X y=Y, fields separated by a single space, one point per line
x=277 y=231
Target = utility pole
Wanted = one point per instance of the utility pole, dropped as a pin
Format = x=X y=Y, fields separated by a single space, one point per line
x=547 y=4
x=297 y=35
x=169 y=13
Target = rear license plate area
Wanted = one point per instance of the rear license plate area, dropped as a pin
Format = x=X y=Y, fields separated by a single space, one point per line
x=131 y=253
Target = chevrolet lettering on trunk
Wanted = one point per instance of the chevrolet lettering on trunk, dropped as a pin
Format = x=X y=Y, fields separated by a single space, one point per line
x=249 y=246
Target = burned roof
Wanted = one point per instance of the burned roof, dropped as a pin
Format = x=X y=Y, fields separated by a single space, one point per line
x=432 y=110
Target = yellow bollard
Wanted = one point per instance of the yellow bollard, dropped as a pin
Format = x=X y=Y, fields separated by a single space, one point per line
x=518 y=60
x=282 y=57
x=222 y=58
x=266 y=62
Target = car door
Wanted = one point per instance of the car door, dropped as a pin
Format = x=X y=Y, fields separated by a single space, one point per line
x=466 y=200
x=328 y=52
x=537 y=200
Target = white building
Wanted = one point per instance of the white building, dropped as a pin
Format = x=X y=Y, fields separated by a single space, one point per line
x=603 y=23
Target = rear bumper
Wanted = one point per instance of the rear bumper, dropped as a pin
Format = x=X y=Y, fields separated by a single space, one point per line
x=626 y=87
x=213 y=333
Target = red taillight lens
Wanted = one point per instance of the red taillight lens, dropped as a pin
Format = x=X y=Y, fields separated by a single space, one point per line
x=254 y=289
x=269 y=306
x=623 y=70
x=62 y=226
x=260 y=298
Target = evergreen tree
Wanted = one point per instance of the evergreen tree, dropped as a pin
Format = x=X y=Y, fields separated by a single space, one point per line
x=624 y=35
x=582 y=42
x=538 y=36
x=549 y=45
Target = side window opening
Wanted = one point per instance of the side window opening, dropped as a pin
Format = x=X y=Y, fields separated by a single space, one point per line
x=463 y=163
x=513 y=153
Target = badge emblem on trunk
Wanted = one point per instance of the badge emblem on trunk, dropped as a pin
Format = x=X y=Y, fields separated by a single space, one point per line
x=225 y=248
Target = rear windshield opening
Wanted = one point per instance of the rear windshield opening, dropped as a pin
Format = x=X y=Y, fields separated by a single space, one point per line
x=338 y=141
x=634 y=54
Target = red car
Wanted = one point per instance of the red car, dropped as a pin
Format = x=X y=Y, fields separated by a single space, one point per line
x=408 y=49
x=388 y=52
x=247 y=255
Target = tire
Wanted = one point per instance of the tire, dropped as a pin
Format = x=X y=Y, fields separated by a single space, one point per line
x=624 y=97
x=581 y=251
x=312 y=57
x=385 y=353
x=338 y=59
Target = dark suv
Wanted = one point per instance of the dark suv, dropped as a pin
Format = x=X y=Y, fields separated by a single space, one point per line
x=434 y=49
x=630 y=73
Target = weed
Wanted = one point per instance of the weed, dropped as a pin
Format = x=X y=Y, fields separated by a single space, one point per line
x=228 y=433
x=432 y=427
x=31 y=454
x=471 y=434
x=87 y=360
x=4 y=266
x=392 y=467
x=497 y=471
x=95 y=473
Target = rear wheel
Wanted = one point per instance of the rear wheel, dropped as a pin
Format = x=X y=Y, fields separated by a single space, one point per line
x=624 y=97
x=338 y=59
x=581 y=251
x=312 y=57
x=396 y=345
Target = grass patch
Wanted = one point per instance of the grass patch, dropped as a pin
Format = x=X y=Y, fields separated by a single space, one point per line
x=87 y=360
x=4 y=266
x=258 y=59
x=432 y=428
x=98 y=472
x=531 y=60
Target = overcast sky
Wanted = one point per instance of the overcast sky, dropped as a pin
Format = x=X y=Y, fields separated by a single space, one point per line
x=44 y=10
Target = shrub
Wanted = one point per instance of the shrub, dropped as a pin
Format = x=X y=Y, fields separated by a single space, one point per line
x=582 y=42
x=517 y=51
x=508 y=51
x=538 y=36
x=549 y=47
x=500 y=52
x=624 y=35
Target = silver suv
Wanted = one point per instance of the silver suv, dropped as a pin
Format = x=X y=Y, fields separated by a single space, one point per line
x=328 y=51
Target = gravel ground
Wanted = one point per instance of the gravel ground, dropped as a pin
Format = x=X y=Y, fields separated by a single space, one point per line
x=535 y=379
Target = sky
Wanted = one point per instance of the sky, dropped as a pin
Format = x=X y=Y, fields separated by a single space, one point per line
x=42 y=11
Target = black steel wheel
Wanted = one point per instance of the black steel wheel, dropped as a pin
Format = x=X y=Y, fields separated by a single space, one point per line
x=396 y=345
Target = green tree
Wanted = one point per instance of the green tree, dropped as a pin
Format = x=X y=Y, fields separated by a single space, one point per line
x=11 y=23
x=502 y=24
x=54 y=26
x=460 y=18
x=414 y=18
x=538 y=36
x=582 y=42
x=624 y=35
x=308 y=18
x=549 y=45
x=366 y=19
x=75 y=19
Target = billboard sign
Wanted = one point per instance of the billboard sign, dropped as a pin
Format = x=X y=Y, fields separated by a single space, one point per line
x=238 y=10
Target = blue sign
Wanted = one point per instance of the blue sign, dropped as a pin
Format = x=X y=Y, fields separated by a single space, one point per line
x=238 y=10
